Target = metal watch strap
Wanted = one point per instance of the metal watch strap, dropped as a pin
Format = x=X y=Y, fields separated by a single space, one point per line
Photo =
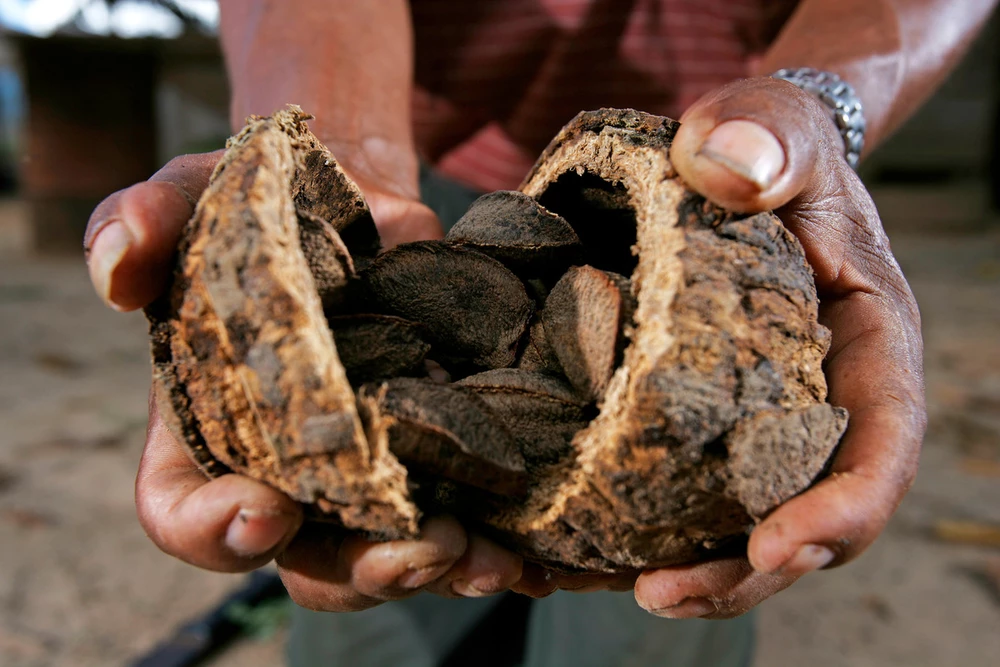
x=840 y=97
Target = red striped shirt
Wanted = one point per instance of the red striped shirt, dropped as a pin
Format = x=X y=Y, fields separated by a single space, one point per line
x=497 y=79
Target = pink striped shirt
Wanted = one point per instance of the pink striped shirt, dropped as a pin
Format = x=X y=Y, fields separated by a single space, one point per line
x=496 y=79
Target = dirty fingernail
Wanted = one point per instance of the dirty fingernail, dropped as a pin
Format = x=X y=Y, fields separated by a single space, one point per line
x=688 y=608
x=536 y=582
x=467 y=589
x=808 y=558
x=106 y=254
x=253 y=532
x=747 y=149
x=420 y=577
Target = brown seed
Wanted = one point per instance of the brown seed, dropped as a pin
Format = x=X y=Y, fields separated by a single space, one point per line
x=515 y=229
x=538 y=289
x=542 y=411
x=473 y=308
x=537 y=354
x=328 y=258
x=523 y=381
x=378 y=347
x=447 y=431
x=584 y=318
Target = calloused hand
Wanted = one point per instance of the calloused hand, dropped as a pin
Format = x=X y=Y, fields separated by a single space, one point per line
x=761 y=144
x=233 y=523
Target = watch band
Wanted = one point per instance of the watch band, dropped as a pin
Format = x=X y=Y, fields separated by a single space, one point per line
x=841 y=99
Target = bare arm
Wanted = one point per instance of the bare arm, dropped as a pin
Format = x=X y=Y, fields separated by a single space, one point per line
x=894 y=52
x=349 y=63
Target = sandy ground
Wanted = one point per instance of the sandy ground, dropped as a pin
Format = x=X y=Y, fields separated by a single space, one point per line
x=81 y=585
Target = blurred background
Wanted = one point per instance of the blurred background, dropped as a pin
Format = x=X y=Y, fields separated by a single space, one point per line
x=96 y=94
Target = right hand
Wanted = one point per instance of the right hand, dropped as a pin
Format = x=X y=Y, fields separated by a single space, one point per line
x=233 y=523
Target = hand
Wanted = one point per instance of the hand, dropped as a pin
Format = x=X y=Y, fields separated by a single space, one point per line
x=233 y=523
x=762 y=144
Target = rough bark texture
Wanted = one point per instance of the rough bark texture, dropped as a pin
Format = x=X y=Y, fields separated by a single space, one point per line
x=725 y=331
x=667 y=397
x=245 y=368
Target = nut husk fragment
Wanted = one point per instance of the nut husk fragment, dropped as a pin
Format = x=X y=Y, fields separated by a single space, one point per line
x=245 y=370
x=326 y=254
x=321 y=188
x=718 y=295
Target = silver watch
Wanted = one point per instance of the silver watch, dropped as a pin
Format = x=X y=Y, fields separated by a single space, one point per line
x=840 y=97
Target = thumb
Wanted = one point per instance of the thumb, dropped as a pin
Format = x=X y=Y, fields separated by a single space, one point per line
x=132 y=235
x=754 y=144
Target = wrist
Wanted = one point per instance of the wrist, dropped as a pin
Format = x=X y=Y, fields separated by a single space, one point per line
x=840 y=101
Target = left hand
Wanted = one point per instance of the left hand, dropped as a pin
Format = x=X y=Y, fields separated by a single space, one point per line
x=762 y=144
x=233 y=523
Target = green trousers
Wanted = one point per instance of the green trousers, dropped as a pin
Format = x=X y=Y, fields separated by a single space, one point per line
x=565 y=629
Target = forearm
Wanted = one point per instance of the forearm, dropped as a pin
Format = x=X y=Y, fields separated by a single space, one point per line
x=894 y=52
x=348 y=63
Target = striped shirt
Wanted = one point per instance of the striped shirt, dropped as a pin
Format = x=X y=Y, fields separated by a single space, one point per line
x=497 y=79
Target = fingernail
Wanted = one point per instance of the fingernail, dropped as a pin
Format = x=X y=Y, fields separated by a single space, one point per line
x=467 y=590
x=747 y=149
x=688 y=608
x=536 y=581
x=111 y=244
x=436 y=372
x=253 y=532
x=809 y=558
x=420 y=577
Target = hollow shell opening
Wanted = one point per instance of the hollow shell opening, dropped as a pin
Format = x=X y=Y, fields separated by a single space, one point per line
x=602 y=215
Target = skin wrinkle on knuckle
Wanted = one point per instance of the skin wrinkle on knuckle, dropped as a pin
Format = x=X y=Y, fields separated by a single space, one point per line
x=854 y=205
x=825 y=242
x=156 y=515
x=874 y=261
x=860 y=519
x=908 y=385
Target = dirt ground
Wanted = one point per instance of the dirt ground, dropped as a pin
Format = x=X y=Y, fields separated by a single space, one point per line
x=81 y=585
